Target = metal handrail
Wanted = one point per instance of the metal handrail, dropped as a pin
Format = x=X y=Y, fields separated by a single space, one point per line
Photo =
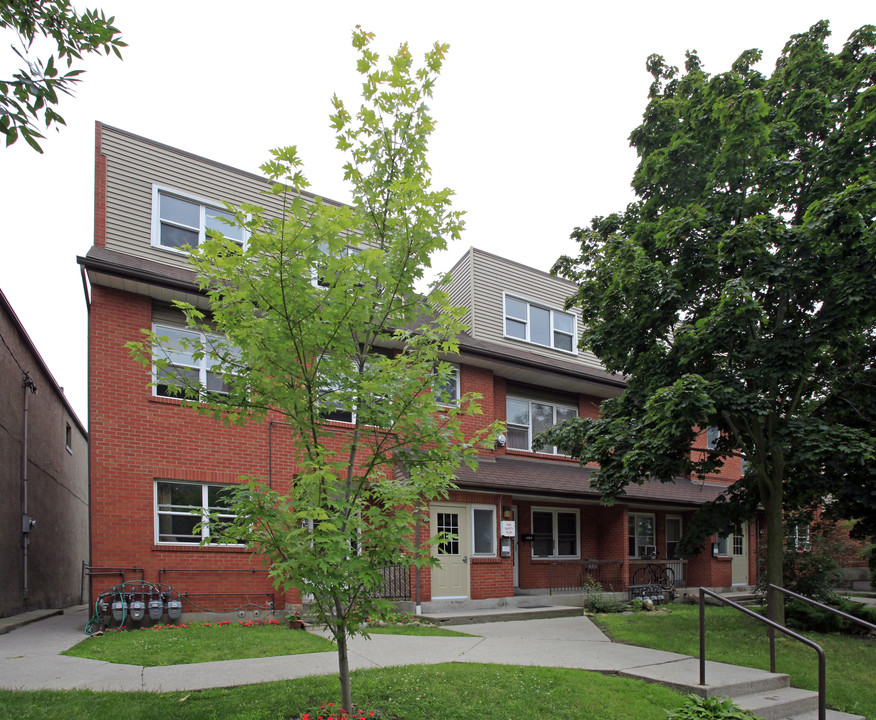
x=822 y=671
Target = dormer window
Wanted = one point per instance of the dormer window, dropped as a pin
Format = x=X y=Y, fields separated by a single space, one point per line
x=180 y=220
x=539 y=324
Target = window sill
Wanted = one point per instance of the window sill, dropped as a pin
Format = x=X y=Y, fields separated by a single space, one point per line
x=170 y=547
x=540 y=455
x=530 y=344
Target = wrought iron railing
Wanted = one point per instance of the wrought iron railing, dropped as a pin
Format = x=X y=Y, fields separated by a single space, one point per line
x=581 y=575
x=396 y=583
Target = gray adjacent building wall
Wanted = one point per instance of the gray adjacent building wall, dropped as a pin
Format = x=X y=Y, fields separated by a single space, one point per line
x=57 y=474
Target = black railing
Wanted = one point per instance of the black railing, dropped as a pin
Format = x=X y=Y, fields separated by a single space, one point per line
x=822 y=683
x=396 y=583
x=581 y=575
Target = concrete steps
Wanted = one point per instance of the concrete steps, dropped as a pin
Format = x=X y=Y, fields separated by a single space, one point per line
x=768 y=695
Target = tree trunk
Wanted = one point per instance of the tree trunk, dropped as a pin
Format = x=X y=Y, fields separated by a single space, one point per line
x=344 y=669
x=775 y=545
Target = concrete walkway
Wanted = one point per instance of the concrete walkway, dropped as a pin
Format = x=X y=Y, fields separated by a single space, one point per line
x=30 y=660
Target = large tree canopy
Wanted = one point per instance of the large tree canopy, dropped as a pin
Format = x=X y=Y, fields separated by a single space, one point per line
x=739 y=290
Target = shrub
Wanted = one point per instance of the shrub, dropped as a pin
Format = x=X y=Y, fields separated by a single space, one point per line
x=598 y=602
x=802 y=616
x=716 y=708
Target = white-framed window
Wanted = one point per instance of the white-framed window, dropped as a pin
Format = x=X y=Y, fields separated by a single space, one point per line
x=68 y=437
x=731 y=542
x=527 y=418
x=539 y=324
x=448 y=393
x=801 y=538
x=483 y=523
x=673 y=536
x=320 y=279
x=180 y=506
x=556 y=533
x=642 y=535
x=183 y=368
x=180 y=219
x=713 y=434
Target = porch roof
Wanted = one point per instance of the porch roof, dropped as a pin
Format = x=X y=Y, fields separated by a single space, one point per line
x=536 y=476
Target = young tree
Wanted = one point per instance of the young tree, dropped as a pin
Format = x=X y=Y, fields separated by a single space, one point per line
x=34 y=89
x=739 y=290
x=321 y=320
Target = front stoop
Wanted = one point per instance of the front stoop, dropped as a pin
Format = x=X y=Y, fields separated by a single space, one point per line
x=768 y=695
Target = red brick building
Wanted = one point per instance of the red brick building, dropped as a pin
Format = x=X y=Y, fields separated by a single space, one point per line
x=524 y=521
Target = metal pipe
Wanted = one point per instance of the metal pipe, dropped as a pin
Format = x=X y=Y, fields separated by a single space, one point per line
x=822 y=663
x=28 y=385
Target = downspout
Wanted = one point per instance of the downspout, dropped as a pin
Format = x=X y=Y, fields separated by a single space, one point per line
x=26 y=521
x=83 y=275
x=419 y=607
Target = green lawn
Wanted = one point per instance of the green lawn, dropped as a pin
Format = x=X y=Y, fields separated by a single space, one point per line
x=734 y=638
x=452 y=691
x=197 y=643
x=205 y=643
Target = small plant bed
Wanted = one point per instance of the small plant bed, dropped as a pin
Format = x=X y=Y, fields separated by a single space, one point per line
x=716 y=708
x=422 y=630
x=733 y=638
x=407 y=624
x=451 y=691
x=198 y=642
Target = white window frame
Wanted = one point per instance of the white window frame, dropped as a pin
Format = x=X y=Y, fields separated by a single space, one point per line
x=529 y=434
x=553 y=312
x=492 y=510
x=666 y=540
x=713 y=434
x=318 y=280
x=188 y=511
x=801 y=536
x=632 y=519
x=68 y=437
x=202 y=204
x=203 y=365
x=554 y=511
x=453 y=401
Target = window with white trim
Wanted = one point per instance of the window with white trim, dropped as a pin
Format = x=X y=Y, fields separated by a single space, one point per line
x=184 y=369
x=673 y=536
x=801 y=538
x=713 y=434
x=539 y=324
x=180 y=220
x=320 y=278
x=180 y=506
x=556 y=533
x=527 y=418
x=731 y=542
x=642 y=535
x=483 y=523
x=448 y=393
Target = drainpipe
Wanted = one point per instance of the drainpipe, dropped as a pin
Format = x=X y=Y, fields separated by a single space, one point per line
x=419 y=607
x=26 y=521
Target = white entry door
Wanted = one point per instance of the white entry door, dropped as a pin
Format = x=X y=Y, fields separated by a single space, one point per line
x=450 y=579
x=739 y=553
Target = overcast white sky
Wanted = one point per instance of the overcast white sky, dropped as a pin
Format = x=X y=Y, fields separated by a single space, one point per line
x=534 y=108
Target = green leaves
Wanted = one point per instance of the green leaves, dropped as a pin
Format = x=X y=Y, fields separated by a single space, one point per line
x=28 y=96
x=739 y=291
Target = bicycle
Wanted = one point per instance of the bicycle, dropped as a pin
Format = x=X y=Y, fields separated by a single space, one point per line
x=653 y=574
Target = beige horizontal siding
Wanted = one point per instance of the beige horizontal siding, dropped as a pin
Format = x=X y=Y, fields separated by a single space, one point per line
x=134 y=165
x=459 y=289
x=492 y=276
